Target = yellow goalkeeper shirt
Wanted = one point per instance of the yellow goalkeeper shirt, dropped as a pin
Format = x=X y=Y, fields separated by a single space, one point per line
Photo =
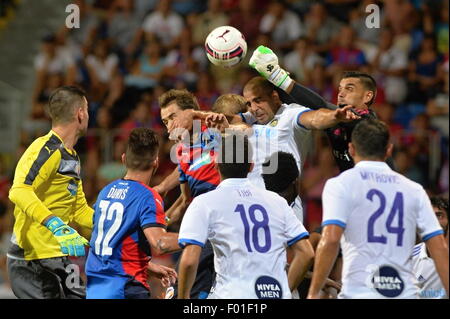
x=46 y=182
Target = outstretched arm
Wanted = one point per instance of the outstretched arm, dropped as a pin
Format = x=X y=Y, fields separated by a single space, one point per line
x=322 y=119
x=265 y=61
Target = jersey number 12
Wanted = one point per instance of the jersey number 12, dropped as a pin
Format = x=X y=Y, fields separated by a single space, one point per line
x=107 y=212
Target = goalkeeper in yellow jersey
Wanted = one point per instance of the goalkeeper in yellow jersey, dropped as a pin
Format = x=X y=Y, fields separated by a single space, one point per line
x=48 y=195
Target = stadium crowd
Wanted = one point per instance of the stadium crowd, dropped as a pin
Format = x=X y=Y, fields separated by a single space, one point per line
x=128 y=52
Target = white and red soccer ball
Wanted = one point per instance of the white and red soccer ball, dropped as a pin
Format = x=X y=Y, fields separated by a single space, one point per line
x=225 y=46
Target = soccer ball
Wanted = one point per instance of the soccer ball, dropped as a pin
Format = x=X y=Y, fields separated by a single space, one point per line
x=225 y=46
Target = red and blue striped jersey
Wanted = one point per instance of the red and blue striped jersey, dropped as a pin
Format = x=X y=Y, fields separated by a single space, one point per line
x=119 y=248
x=196 y=163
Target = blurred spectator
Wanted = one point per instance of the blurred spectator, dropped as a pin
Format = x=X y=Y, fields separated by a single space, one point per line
x=301 y=61
x=390 y=66
x=148 y=69
x=247 y=19
x=53 y=59
x=443 y=179
x=123 y=25
x=312 y=183
x=207 y=21
x=320 y=84
x=80 y=40
x=102 y=67
x=184 y=61
x=404 y=164
x=385 y=113
x=345 y=56
x=437 y=107
x=320 y=27
x=358 y=17
x=186 y=7
x=283 y=25
x=206 y=92
x=423 y=71
x=442 y=30
x=143 y=7
x=139 y=117
x=164 y=24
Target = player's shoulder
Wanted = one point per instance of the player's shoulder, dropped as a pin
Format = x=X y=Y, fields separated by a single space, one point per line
x=293 y=108
x=408 y=183
x=49 y=141
x=270 y=197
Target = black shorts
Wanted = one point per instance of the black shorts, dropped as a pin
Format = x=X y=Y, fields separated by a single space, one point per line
x=205 y=274
x=50 y=278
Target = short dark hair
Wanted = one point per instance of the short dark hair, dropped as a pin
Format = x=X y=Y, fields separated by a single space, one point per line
x=235 y=156
x=440 y=202
x=259 y=84
x=286 y=173
x=370 y=138
x=63 y=102
x=184 y=99
x=142 y=149
x=367 y=81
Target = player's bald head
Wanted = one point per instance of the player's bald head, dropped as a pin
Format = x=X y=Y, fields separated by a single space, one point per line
x=259 y=86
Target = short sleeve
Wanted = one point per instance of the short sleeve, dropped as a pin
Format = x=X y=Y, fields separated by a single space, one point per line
x=293 y=112
x=427 y=222
x=194 y=226
x=152 y=213
x=294 y=229
x=335 y=204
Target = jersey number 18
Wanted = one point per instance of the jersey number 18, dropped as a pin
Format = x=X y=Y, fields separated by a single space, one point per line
x=264 y=224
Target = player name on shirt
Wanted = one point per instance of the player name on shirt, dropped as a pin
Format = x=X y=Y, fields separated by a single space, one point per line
x=379 y=177
x=117 y=193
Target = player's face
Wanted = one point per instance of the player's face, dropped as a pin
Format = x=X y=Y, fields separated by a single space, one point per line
x=261 y=105
x=168 y=114
x=352 y=92
x=442 y=218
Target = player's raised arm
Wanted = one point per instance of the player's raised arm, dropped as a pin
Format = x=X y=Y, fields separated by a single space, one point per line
x=265 y=61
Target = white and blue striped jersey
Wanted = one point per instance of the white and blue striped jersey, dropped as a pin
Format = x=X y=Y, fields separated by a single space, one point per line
x=249 y=229
x=380 y=211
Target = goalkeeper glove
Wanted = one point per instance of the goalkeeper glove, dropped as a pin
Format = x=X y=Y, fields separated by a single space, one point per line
x=265 y=62
x=70 y=241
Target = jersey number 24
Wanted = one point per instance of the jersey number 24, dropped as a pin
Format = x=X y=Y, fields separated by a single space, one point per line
x=396 y=209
